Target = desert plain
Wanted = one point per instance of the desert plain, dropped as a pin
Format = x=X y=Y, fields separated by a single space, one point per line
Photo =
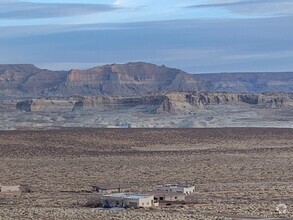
x=238 y=173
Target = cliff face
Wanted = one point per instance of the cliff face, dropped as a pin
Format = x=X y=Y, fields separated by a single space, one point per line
x=267 y=100
x=128 y=79
x=158 y=103
x=46 y=105
x=132 y=79
x=116 y=79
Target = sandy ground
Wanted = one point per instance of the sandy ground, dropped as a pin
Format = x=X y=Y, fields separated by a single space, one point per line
x=236 y=171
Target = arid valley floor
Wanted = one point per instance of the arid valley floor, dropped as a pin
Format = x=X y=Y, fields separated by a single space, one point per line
x=243 y=172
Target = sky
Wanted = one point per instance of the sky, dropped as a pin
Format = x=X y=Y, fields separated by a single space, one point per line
x=198 y=36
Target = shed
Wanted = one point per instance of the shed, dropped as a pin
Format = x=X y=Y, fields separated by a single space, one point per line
x=6 y=189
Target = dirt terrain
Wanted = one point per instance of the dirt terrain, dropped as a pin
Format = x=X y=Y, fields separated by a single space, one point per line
x=243 y=172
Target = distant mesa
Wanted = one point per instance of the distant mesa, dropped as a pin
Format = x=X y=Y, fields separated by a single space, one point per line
x=128 y=79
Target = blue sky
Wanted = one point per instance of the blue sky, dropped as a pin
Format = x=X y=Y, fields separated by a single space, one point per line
x=194 y=35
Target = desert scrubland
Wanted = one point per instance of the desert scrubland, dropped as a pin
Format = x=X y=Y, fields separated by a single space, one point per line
x=244 y=172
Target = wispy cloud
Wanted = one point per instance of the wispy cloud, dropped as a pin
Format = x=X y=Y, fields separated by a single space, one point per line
x=192 y=45
x=251 y=7
x=162 y=32
x=259 y=56
x=30 y=10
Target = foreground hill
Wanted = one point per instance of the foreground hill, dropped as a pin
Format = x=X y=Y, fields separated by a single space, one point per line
x=132 y=79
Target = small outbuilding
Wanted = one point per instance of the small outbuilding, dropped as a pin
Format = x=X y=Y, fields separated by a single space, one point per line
x=13 y=189
x=178 y=188
x=128 y=200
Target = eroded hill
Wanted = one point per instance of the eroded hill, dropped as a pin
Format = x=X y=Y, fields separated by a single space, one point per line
x=132 y=79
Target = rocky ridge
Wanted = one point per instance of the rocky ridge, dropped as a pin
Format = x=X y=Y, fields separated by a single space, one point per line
x=172 y=102
x=141 y=95
x=130 y=79
x=115 y=79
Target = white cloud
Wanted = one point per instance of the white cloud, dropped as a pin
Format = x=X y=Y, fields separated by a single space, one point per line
x=259 y=56
x=250 y=7
x=32 y=10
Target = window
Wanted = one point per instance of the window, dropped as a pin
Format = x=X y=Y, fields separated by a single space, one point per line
x=142 y=204
x=175 y=197
x=148 y=203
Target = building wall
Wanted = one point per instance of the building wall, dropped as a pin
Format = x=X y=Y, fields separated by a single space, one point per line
x=132 y=202
x=146 y=202
x=174 y=198
x=188 y=190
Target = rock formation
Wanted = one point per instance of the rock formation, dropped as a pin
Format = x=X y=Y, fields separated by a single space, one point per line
x=46 y=105
x=132 y=79
x=172 y=102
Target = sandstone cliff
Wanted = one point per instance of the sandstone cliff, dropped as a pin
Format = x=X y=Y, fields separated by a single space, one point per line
x=132 y=79
x=173 y=102
x=46 y=105
x=128 y=79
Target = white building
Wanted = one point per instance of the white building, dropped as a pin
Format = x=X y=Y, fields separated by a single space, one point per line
x=10 y=189
x=179 y=188
x=128 y=200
